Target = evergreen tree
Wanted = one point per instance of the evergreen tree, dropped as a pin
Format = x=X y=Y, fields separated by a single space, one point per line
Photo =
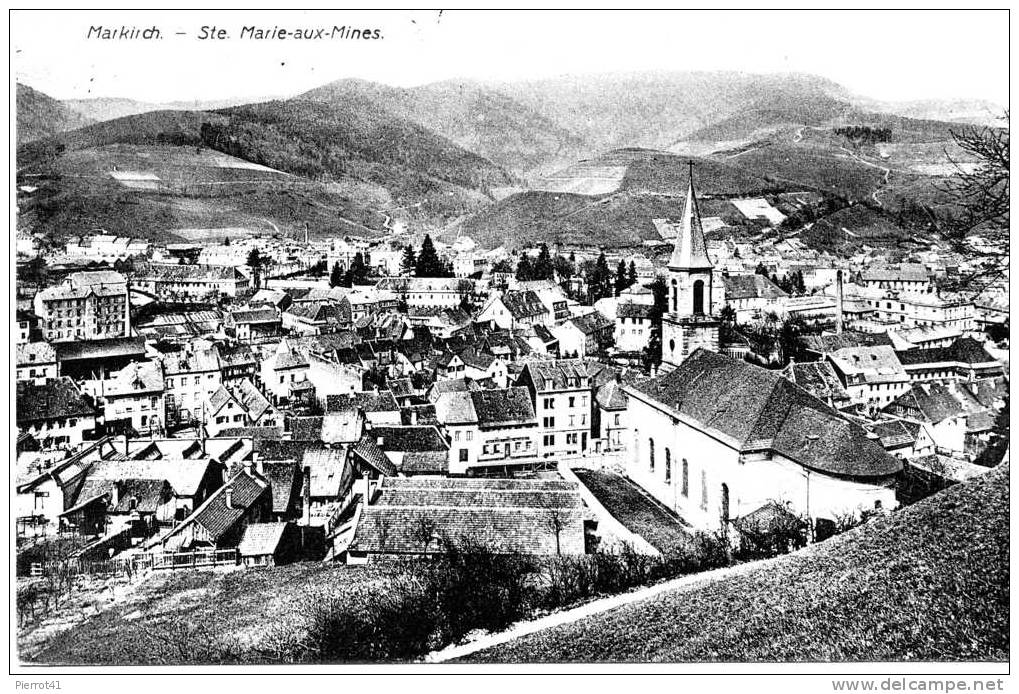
x=428 y=262
x=620 y=277
x=336 y=276
x=409 y=262
x=631 y=275
x=525 y=270
x=564 y=268
x=599 y=279
x=543 y=268
x=255 y=262
x=653 y=351
x=358 y=272
x=761 y=269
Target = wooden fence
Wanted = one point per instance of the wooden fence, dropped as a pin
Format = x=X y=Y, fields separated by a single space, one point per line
x=138 y=564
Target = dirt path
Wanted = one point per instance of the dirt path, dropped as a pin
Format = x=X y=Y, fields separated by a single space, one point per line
x=592 y=608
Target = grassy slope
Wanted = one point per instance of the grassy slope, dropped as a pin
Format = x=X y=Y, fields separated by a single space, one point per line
x=241 y=606
x=930 y=582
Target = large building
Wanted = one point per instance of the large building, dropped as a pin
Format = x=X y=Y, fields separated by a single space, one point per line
x=689 y=323
x=717 y=439
x=86 y=306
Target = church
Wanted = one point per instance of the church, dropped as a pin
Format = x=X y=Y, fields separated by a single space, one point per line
x=690 y=322
x=716 y=439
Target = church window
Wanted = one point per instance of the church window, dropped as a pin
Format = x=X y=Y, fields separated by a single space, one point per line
x=698 y=298
x=651 y=453
x=686 y=478
x=675 y=297
x=668 y=466
x=672 y=345
x=704 y=490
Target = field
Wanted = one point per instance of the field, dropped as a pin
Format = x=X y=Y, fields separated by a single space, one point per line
x=636 y=511
x=930 y=582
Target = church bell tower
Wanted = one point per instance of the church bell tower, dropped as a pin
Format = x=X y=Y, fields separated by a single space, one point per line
x=689 y=322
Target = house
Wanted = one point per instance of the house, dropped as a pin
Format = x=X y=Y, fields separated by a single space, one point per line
x=488 y=428
x=237 y=363
x=820 y=380
x=132 y=400
x=585 y=335
x=261 y=412
x=562 y=395
x=427 y=292
x=479 y=365
x=551 y=296
x=86 y=306
x=378 y=407
x=36 y=362
x=957 y=416
x=269 y=544
x=752 y=295
x=872 y=376
x=281 y=372
x=190 y=376
x=965 y=359
x=633 y=326
x=253 y=325
x=191 y=283
x=442 y=323
x=332 y=378
x=26 y=326
x=317 y=318
x=220 y=521
x=911 y=278
x=716 y=439
x=414 y=450
x=514 y=309
x=56 y=413
x=418 y=516
x=611 y=422
x=276 y=298
x=224 y=411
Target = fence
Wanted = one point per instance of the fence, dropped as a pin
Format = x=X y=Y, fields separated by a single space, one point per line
x=138 y=564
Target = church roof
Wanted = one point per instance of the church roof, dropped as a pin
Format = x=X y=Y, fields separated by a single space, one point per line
x=691 y=252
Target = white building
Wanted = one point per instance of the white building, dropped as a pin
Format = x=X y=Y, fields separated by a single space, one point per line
x=716 y=439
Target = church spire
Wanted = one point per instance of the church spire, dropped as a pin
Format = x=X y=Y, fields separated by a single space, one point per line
x=691 y=251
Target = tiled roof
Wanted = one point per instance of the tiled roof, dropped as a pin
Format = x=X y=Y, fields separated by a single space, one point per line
x=331 y=471
x=905 y=272
x=825 y=344
x=751 y=287
x=33 y=353
x=305 y=428
x=185 y=475
x=409 y=438
x=342 y=427
x=503 y=406
x=522 y=305
x=100 y=349
x=255 y=315
x=382 y=401
x=560 y=374
x=260 y=539
x=756 y=409
x=55 y=399
x=874 y=364
x=817 y=378
x=135 y=379
x=631 y=310
x=964 y=350
x=251 y=398
x=592 y=322
x=216 y=517
x=369 y=452
x=611 y=396
x=285 y=482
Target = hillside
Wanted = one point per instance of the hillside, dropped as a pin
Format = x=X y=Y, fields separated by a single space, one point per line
x=477 y=118
x=108 y=108
x=39 y=115
x=340 y=169
x=930 y=582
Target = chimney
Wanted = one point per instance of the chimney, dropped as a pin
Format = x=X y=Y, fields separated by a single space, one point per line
x=838 y=302
x=125 y=443
x=306 y=498
x=228 y=496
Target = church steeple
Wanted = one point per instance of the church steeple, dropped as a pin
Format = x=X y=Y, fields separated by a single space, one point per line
x=691 y=252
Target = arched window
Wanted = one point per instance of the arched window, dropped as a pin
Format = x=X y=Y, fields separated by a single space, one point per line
x=672 y=346
x=725 y=503
x=675 y=296
x=686 y=478
x=651 y=453
x=698 y=298
x=668 y=466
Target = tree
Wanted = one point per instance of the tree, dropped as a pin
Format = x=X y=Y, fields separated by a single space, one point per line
x=789 y=338
x=428 y=262
x=409 y=262
x=761 y=269
x=653 y=351
x=599 y=279
x=255 y=262
x=564 y=268
x=543 y=268
x=502 y=265
x=631 y=275
x=336 y=276
x=727 y=329
x=525 y=270
x=358 y=271
x=620 y=277
x=982 y=196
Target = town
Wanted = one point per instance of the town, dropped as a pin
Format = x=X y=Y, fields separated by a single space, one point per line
x=680 y=367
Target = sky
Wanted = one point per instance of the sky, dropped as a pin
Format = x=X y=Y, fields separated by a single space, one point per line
x=886 y=55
